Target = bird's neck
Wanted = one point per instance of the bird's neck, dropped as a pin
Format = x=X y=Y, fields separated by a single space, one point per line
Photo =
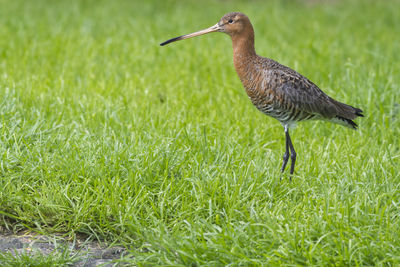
x=243 y=52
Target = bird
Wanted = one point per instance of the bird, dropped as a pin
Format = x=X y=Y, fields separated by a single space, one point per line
x=277 y=90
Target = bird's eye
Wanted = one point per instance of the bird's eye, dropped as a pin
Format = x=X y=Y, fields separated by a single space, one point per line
x=230 y=21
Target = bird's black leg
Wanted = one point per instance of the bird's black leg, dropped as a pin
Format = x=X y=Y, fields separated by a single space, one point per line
x=287 y=153
x=292 y=152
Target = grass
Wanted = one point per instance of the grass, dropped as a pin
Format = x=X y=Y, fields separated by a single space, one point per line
x=36 y=258
x=158 y=149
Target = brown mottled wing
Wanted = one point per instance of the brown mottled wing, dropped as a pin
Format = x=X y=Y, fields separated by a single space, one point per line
x=296 y=90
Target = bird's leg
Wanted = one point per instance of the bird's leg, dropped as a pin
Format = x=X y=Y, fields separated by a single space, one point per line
x=287 y=153
x=292 y=152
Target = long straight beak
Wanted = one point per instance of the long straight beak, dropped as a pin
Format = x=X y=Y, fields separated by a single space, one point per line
x=214 y=28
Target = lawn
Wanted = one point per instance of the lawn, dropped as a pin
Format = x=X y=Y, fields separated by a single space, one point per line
x=104 y=133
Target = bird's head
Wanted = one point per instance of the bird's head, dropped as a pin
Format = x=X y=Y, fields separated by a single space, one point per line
x=234 y=23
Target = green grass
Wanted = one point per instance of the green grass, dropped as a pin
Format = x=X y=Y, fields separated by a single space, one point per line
x=158 y=149
x=36 y=258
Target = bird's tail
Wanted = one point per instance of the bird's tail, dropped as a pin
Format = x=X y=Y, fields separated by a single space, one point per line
x=346 y=114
